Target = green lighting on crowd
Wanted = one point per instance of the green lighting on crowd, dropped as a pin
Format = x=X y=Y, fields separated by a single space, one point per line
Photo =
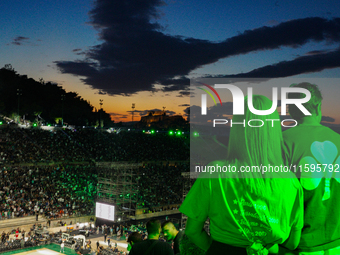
x=152 y=131
x=35 y=124
x=143 y=131
x=0 y=122
x=171 y=133
x=196 y=134
x=179 y=132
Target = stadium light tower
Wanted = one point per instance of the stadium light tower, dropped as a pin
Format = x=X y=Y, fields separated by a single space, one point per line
x=19 y=94
x=100 y=112
x=62 y=109
x=133 y=110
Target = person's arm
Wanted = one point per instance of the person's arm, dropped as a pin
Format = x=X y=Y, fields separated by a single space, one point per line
x=194 y=230
x=132 y=251
x=293 y=240
x=298 y=211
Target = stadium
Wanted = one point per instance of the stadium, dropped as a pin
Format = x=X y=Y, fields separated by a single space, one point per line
x=54 y=178
x=201 y=169
x=94 y=189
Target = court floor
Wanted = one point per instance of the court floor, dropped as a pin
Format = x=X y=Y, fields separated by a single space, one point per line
x=39 y=252
x=50 y=249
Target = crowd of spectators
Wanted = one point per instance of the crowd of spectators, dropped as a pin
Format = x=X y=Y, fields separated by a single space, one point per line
x=131 y=146
x=34 y=145
x=154 y=190
x=52 y=191
x=19 y=145
x=53 y=173
x=20 y=240
x=122 y=231
x=150 y=189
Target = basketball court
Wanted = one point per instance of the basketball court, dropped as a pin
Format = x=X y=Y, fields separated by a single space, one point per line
x=39 y=252
x=50 y=249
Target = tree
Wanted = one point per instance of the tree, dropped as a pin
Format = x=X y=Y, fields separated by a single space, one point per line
x=9 y=67
x=45 y=98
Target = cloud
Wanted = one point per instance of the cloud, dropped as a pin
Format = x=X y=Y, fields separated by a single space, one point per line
x=145 y=112
x=218 y=111
x=272 y=22
x=78 y=52
x=117 y=114
x=304 y=64
x=327 y=119
x=316 y=52
x=136 y=54
x=183 y=93
x=20 y=40
x=170 y=113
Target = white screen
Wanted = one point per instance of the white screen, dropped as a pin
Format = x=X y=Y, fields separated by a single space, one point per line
x=104 y=211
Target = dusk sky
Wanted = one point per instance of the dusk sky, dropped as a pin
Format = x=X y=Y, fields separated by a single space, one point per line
x=145 y=52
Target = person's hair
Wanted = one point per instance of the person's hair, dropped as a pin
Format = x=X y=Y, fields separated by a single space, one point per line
x=256 y=146
x=311 y=105
x=166 y=223
x=134 y=237
x=152 y=226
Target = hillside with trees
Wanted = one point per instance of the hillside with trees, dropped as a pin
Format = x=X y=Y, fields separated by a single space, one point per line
x=45 y=102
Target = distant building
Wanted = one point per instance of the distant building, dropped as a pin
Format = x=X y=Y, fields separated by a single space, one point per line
x=161 y=120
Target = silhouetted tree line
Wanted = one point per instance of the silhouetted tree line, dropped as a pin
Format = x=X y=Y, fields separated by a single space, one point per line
x=40 y=100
